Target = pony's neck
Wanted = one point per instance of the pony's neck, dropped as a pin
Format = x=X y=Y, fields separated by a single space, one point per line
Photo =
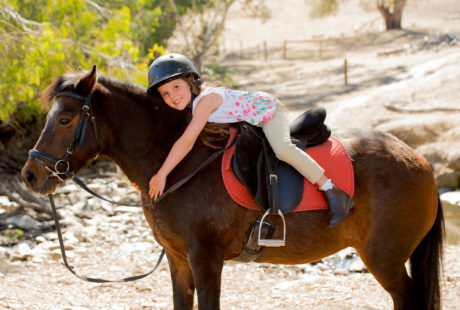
x=139 y=132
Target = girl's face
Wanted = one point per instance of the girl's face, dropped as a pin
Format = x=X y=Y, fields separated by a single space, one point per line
x=176 y=93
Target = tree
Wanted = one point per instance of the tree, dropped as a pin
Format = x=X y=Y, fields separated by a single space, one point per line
x=391 y=10
x=200 y=26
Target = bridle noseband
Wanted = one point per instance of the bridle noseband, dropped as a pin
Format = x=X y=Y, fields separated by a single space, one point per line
x=62 y=166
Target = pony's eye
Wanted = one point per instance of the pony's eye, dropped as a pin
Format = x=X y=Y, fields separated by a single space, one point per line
x=64 y=121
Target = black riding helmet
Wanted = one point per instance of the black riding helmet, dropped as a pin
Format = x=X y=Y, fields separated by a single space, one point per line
x=169 y=67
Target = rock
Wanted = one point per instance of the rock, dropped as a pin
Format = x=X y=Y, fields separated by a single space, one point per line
x=451 y=207
x=48 y=246
x=50 y=236
x=357 y=265
x=452 y=136
x=7 y=204
x=24 y=221
x=446 y=177
x=3 y=253
x=434 y=152
x=22 y=252
x=416 y=132
x=40 y=239
x=452 y=198
x=51 y=246
x=55 y=254
x=453 y=157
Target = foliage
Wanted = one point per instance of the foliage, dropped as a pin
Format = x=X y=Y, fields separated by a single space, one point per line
x=219 y=75
x=393 y=9
x=42 y=39
x=45 y=38
x=321 y=8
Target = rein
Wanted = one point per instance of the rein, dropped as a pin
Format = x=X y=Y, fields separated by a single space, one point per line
x=62 y=167
x=89 y=279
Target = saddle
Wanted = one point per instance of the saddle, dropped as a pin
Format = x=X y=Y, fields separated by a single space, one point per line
x=274 y=184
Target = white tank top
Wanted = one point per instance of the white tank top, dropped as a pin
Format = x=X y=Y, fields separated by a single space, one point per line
x=238 y=106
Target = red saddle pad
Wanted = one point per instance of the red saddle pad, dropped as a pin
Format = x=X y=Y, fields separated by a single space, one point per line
x=331 y=155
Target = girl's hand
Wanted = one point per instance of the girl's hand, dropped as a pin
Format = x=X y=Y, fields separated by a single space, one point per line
x=157 y=185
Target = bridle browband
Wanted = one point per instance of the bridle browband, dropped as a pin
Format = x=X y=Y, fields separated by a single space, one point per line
x=62 y=167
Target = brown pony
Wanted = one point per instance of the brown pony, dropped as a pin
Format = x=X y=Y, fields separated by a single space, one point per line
x=397 y=214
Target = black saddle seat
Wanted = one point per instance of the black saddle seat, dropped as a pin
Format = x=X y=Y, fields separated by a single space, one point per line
x=249 y=160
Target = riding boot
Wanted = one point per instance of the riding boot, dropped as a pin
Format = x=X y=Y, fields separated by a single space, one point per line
x=339 y=204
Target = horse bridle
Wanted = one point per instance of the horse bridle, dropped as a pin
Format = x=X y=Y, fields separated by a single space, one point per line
x=62 y=166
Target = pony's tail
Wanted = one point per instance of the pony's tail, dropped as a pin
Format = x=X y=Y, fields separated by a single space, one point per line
x=426 y=266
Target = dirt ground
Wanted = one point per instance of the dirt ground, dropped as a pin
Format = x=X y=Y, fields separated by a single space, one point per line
x=116 y=242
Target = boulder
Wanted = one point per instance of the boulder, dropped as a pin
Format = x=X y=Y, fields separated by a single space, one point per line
x=451 y=206
x=416 y=131
x=453 y=157
x=435 y=152
x=24 y=221
x=446 y=177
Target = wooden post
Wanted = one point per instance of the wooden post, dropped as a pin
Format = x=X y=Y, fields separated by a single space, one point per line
x=345 y=71
x=284 y=49
x=265 y=50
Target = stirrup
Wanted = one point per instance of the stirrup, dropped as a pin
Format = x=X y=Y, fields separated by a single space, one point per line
x=272 y=242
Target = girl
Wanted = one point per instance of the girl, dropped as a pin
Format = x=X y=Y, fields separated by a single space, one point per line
x=176 y=80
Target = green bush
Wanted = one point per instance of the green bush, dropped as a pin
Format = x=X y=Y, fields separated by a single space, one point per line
x=44 y=39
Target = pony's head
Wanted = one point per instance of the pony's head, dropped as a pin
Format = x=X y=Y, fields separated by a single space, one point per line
x=69 y=139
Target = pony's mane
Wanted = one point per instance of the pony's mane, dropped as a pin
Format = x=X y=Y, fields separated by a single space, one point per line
x=213 y=135
x=68 y=81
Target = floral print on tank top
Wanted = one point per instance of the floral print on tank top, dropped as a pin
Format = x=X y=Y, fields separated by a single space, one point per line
x=250 y=106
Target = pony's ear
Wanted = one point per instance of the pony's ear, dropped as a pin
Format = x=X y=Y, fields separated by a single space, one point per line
x=86 y=83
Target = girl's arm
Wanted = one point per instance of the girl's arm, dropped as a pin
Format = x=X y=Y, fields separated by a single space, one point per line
x=184 y=144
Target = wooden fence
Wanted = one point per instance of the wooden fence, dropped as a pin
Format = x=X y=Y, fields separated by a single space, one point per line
x=317 y=48
x=288 y=49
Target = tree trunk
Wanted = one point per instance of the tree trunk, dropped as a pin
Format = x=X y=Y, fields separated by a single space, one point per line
x=392 y=18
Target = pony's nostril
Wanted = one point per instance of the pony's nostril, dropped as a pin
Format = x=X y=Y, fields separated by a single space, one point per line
x=30 y=177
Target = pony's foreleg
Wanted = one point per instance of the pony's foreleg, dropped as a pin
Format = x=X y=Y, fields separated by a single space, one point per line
x=207 y=263
x=182 y=282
